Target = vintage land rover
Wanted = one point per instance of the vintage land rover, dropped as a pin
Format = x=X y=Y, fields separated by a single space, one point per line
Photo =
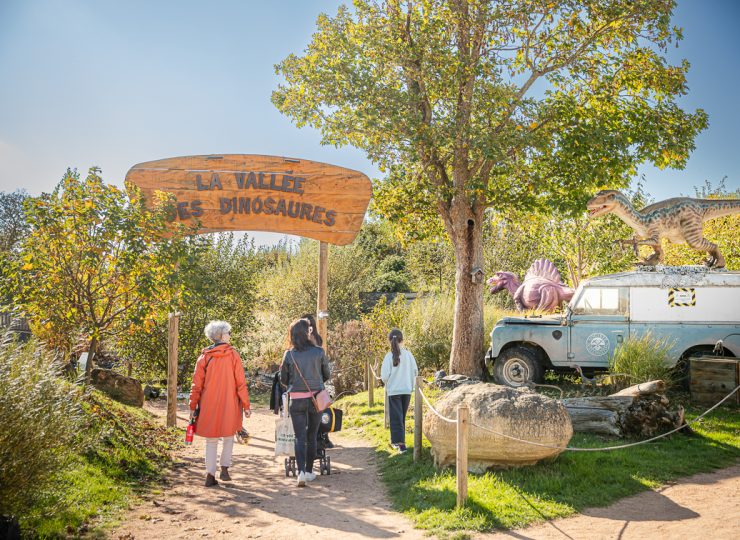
x=691 y=306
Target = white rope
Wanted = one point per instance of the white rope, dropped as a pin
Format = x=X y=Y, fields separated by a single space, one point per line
x=435 y=410
x=574 y=449
x=374 y=373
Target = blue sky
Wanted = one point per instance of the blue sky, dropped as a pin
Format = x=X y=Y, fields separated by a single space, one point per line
x=114 y=83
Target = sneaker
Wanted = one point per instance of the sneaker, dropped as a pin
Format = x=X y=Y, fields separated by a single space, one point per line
x=301 y=479
x=310 y=476
x=394 y=446
x=401 y=448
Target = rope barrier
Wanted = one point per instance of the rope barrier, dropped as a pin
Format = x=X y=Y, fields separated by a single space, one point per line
x=435 y=410
x=374 y=372
x=575 y=449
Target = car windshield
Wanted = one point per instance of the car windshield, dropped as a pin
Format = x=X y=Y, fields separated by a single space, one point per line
x=602 y=301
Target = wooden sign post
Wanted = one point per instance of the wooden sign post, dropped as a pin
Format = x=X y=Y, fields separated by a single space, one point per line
x=172 y=346
x=247 y=192
x=322 y=296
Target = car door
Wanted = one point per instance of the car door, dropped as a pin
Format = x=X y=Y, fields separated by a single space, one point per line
x=599 y=322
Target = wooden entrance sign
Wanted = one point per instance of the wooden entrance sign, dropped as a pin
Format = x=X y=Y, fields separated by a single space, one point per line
x=243 y=192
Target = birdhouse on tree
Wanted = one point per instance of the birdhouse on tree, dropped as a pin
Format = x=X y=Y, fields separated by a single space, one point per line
x=477 y=275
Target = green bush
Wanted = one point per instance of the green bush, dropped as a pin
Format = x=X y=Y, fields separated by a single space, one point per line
x=349 y=346
x=642 y=359
x=40 y=417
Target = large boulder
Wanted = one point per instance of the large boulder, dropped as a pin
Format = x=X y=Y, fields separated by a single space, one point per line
x=516 y=412
x=119 y=387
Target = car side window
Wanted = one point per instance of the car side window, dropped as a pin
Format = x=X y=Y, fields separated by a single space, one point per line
x=603 y=301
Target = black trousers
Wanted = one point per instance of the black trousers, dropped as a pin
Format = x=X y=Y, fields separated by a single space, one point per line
x=306 y=422
x=397 y=407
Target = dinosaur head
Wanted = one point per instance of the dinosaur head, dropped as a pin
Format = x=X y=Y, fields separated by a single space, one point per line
x=502 y=280
x=603 y=202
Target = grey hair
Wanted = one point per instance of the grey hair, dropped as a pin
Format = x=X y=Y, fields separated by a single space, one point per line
x=216 y=329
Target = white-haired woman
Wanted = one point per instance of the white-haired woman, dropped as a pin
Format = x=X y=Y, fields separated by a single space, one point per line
x=219 y=393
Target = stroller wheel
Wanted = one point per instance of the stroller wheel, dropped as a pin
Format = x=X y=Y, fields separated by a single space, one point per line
x=328 y=465
x=287 y=467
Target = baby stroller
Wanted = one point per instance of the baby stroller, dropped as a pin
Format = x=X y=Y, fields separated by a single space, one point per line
x=331 y=421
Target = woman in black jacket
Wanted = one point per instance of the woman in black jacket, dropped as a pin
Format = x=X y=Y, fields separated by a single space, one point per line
x=304 y=371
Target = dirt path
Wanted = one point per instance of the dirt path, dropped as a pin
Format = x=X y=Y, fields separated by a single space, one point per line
x=260 y=502
x=701 y=506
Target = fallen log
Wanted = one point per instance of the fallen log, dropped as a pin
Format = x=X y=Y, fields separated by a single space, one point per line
x=640 y=410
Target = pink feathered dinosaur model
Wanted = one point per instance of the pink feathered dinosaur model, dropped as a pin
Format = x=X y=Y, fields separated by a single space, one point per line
x=542 y=289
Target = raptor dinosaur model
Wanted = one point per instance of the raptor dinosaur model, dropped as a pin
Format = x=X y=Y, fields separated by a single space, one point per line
x=679 y=220
x=542 y=288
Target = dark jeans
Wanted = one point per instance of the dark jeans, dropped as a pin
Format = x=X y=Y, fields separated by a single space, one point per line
x=306 y=422
x=397 y=408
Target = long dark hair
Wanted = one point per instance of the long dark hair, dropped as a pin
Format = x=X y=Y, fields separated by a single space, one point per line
x=299 y=335
x=396 y=338
x=314 y=330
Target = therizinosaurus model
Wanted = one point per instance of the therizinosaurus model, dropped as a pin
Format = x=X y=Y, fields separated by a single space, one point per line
x=679 y=220
x=542 y=288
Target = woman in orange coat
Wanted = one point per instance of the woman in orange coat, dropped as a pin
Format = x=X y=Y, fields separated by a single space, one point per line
x=219 y=393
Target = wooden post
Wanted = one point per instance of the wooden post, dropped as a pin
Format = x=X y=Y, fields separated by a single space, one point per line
x=386 y=416
x=461 y=461
x=370 y=385
x=418 y=419
x=322 y=298
x=172 y=342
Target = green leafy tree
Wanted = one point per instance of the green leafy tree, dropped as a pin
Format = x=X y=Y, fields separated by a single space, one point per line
x=13 y=228
x=94 y=257
x=218 y=282
x=472 y=104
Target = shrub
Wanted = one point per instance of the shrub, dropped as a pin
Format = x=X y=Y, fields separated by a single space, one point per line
x=349 y=348
x=427 y=330
x=643 y=359
x=40 y=416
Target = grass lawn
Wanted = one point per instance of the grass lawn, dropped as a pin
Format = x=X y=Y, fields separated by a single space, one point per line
x=505 y=499
x=128 y=450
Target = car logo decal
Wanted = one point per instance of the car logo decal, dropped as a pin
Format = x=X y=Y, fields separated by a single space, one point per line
x=597 y=344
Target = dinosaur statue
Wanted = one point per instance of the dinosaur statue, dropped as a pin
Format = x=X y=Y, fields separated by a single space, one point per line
x=542 y=288
x=679 y=220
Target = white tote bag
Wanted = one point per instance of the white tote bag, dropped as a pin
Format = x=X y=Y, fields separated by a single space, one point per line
x=284 y=434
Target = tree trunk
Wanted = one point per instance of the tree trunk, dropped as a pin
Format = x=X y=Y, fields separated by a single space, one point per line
x=92 y=349
x=639 y=410
x=466 y=231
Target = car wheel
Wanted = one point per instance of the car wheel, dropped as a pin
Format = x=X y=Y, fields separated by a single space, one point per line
x=517 y=366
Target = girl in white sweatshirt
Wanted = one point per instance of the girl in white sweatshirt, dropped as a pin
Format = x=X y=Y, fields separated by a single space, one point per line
x=398 y=372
